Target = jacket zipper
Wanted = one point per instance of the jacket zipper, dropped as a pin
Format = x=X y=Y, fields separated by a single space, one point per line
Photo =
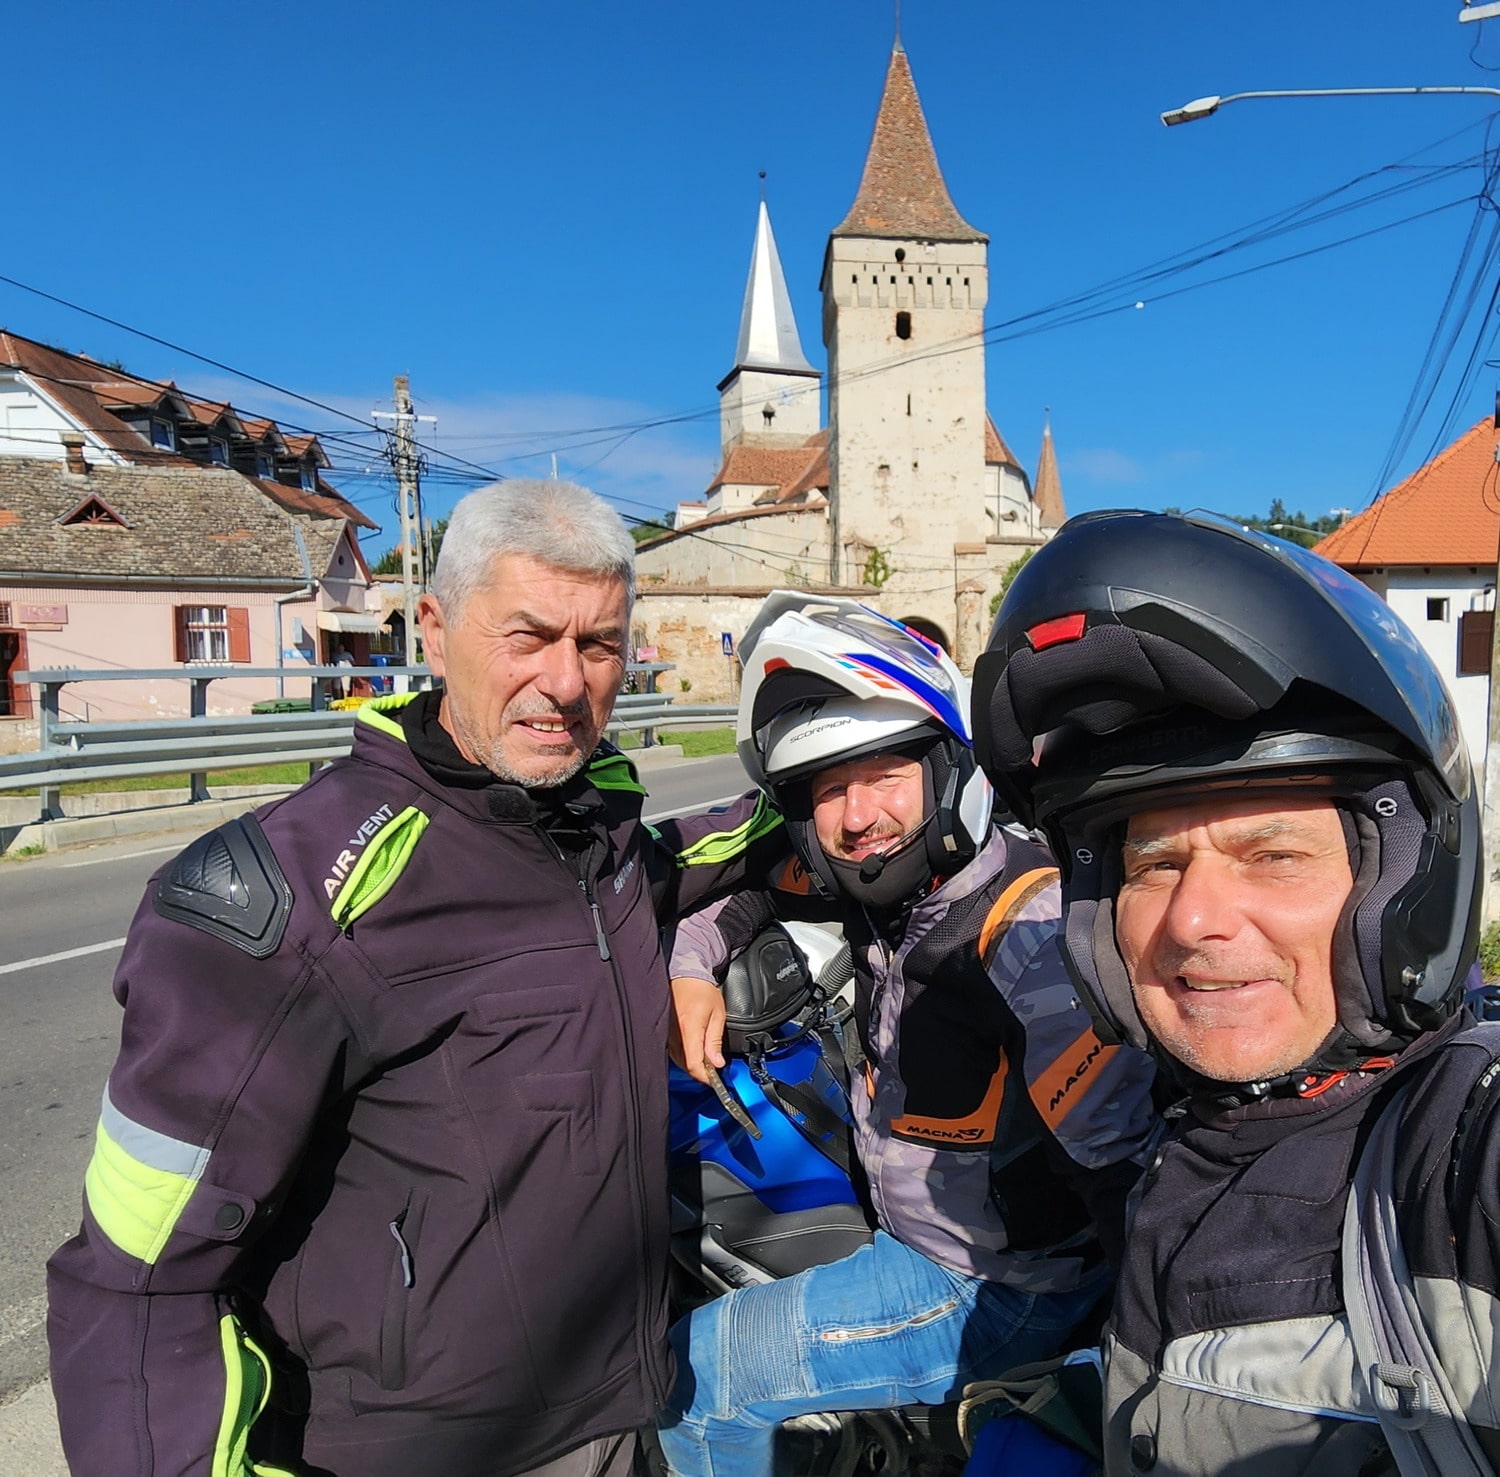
x=599 y=937
x=585 y=886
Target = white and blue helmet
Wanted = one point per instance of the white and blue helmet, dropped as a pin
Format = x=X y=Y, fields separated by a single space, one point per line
x=829 y=680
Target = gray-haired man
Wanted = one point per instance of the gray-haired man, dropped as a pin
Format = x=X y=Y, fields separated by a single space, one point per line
x=380 y=1177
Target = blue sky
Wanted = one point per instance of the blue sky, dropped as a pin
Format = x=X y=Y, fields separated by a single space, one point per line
x=543 y=214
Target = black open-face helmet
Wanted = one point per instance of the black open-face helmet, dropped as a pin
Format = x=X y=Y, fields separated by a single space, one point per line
x=1143 y=659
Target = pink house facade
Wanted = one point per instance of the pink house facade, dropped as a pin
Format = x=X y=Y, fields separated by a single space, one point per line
x=140 y=529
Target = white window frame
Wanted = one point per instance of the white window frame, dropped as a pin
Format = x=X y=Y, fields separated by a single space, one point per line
x=218 y=451
x=205 y=634
x=167 y=440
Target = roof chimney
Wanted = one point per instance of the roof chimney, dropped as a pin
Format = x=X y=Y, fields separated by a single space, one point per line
x=73 y=449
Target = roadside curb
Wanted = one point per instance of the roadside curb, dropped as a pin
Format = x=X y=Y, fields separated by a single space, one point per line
x=29 y=1441
x=655 y=755
x=81 y=830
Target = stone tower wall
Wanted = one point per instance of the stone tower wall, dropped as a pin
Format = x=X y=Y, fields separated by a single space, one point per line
x=795 y=399
x=906 y=449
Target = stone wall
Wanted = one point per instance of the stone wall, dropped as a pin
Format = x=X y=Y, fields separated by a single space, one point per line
x=759 y=549
x=686 y=628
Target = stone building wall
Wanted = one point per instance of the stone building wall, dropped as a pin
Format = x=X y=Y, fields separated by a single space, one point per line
x=686 y=626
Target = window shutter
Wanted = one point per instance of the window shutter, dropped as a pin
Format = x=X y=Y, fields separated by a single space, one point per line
x=239 y=633
x=179 y=633
x=1475 y=631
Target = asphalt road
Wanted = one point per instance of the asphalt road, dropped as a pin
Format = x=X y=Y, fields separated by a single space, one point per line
x=62 y=920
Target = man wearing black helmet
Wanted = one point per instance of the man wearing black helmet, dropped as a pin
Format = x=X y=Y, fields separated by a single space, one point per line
x=998 y=1137
x=1255 y=784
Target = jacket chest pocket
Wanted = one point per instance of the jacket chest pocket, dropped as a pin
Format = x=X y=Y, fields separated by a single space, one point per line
x=527 y=1064
x=405 y=1232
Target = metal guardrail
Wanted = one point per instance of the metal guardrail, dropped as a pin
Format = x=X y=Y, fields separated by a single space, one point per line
x=200 y=743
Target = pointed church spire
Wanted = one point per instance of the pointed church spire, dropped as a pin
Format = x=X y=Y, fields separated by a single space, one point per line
x=902 y=194
x=768 y=330
x=1048 y=493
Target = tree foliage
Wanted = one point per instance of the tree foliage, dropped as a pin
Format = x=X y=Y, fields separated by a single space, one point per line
x=1007 y=579
x=653 y=527
x=877 y=569
x=390 y=561
x=1296 y=528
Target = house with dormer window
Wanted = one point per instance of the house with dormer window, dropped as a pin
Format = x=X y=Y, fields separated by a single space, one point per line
x=141 y=527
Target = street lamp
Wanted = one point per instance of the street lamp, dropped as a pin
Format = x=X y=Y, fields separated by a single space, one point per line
x=1206 y=107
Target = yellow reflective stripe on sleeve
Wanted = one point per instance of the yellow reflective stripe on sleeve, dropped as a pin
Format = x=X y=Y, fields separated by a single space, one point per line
x=723 y=846
x=615 y=772
x=381 y=863
x=137 y=1197
x=247 y=1388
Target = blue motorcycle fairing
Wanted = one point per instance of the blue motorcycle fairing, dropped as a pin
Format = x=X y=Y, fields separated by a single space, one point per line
x=782 y=1169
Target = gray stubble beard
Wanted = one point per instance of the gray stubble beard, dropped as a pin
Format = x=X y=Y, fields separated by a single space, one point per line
x=488 y=753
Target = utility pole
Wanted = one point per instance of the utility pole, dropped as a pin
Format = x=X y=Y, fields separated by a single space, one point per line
x=406 y=484
x=404 y=458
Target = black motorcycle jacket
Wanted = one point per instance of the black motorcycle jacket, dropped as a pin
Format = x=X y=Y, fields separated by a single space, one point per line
x=1229 y=1348
x=379 y=1185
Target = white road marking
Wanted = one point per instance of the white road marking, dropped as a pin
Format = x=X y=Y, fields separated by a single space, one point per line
x=124 y=856
x=58 y=958
x=667 y=815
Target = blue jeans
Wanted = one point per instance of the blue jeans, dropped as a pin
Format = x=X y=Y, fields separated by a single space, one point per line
x=881 y=1328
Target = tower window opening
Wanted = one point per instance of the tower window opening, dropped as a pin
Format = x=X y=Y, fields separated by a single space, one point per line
x=893 y=281
x=966 y=281
x=769 y=414
x=900 y=253
x=855 y=279
x=908 y=405
x=950 y=282
x=929 y=281
x=903 y=324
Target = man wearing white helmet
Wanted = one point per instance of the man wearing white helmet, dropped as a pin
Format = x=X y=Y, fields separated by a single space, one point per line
x=998 y=1135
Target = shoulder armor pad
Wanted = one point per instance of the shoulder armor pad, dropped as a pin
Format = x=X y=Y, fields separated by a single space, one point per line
x=228 y=883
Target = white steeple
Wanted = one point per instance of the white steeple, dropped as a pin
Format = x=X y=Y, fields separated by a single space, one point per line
x=768 y=330
x=772 y=395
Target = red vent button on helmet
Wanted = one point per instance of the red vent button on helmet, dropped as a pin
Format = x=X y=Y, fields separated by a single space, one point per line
x=1056 y=631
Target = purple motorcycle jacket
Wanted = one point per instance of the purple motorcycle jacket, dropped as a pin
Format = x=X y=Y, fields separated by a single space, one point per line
x=379 y=1183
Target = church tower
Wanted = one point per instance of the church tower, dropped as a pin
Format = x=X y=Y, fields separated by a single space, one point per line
x=771 y=396
x=905 y=282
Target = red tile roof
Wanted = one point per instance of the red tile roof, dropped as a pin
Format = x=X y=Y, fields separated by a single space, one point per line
x=86 y=390
x=1447 y=512
x=902 y=194
x=996 y=452
x=76 y=383
x=761 y=467
x=1048 y=494
x=814 y=476
x=325 y=503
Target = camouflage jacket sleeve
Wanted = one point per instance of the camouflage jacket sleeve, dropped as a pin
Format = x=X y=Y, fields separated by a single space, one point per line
x=225 y=1062
x=1094 y=1100
x=701 y=944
